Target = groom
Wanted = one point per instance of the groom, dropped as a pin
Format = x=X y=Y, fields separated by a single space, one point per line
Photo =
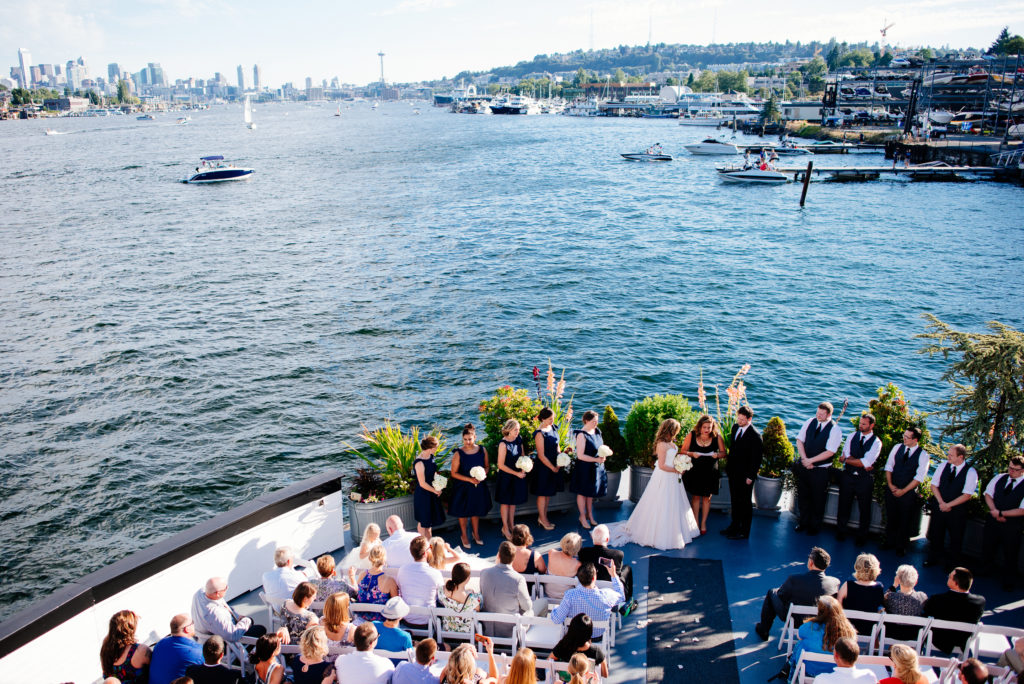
x=742 y=465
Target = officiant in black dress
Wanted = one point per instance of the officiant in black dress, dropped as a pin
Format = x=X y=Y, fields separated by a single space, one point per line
x=745 y=452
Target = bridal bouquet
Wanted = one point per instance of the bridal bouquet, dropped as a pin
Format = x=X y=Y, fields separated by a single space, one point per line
x=604 y=451
x=563 y=460
x=439 y=482
x=478 y=473
x=682 y=463
x=524 y=463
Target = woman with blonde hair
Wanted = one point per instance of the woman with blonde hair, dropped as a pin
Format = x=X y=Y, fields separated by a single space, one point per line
x=121 y=655
x=905 y=668
x=820 y=633
x=374 y=586
x=311 y=667
x=337 y=623
x=522 y=669
x=512 y=488
x=579 y=670
x=563 y=562
x=358 y=559
x=440 y=554
x=704 y=445
x=865 y=593
x=462 y=669
x=663 y=517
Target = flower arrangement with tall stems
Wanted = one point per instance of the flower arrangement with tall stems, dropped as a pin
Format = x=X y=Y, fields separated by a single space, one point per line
x=737 y=396
x=552 y=398
x=393 y=454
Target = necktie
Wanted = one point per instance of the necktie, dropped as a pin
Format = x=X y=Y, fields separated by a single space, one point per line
x=817 y=429
x=1009 y=485
x=739 y=435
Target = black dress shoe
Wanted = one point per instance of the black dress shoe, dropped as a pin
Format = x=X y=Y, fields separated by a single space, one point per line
x=727 y=531
x=738 y=535
x=762 y=633
x=800 y=527
x=841 y=535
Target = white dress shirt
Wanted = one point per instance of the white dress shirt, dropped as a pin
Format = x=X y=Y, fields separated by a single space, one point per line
x=970 y=484
x=279 y=583
x=990 y=490
x=868 y=459
x=363 y=667
x=834 y=438
x=397 y=548
x=846 y=675
x=417 y=585
x=922 y=461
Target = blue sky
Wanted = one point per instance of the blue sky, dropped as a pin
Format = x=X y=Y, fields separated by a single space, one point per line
x=433 y=38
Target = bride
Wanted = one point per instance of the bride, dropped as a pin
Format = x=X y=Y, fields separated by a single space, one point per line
x=663 y=518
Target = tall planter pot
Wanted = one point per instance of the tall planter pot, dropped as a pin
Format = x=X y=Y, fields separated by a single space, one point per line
x=638 y=479
x=723 y=500
x=362 y=514
x=611 y=499
x=767 y=493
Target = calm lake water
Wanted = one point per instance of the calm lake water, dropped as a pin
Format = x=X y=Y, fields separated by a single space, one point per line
x=170 y=351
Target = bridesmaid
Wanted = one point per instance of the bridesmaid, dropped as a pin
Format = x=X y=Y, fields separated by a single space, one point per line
x=471 y=499
x=705 y=446
x=589 y=478
x=512 y=488
x=548 y=479
x=426 y=500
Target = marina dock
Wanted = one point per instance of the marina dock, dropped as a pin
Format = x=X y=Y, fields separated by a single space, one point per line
x=914 y=173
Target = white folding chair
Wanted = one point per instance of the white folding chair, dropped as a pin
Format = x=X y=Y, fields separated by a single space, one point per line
x=868 y=640
x=969 y=629
x=992 y=640
x=790 y=626
x=444 y=636
x=889 y=621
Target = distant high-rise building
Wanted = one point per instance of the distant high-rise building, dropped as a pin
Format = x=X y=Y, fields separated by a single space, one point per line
x=309 y=83
x=256 y=80
x=35 y=74
x=24 y=60
x=241 y=78
x=113 y=72
x=156 y=74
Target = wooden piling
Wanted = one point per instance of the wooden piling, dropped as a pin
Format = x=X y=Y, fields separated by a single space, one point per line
x=807 y=181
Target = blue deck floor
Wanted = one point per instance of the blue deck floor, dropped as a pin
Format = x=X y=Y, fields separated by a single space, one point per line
x=751 y=567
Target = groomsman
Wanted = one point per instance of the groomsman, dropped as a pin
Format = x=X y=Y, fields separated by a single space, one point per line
x=817 y=443
x=744 y=461
x=953 y=485
x=904 y=471
x=1005 y=498
x=857 y=480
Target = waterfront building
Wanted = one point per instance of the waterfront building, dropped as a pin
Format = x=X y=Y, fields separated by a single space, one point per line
x=24 y=60
x=67 y=104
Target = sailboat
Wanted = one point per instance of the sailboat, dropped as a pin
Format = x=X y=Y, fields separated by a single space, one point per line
x=338 y=113
x=247 y=115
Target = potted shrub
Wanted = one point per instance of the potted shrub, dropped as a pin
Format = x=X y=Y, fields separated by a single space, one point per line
x=384 y=488
x=776 y=460
x=507 y=402
x=642 y=427
x=618 y=462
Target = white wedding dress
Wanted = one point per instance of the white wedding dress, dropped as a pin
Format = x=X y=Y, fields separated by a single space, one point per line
x=662 y=518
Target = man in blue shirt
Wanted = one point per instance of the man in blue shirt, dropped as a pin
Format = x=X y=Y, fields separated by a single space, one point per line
x=173 y=654
x=418 y=672
x=588 y=598
x=391 y=636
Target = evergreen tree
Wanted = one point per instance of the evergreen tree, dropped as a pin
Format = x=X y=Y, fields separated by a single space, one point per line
x=771 y=110
x=122 y=91
x=999 y=46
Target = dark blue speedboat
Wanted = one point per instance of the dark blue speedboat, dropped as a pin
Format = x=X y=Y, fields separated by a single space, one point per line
x=214 y=169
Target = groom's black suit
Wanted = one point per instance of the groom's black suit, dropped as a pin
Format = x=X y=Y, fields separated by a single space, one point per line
x=744 y=461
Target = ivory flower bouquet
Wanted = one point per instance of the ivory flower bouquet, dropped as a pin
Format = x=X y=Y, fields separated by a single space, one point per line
x=478 y=473
x=524 y=463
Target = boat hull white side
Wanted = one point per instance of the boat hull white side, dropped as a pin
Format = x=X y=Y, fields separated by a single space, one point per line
x=752 y=176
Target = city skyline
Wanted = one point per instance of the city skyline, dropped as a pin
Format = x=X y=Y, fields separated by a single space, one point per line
x=430 y=39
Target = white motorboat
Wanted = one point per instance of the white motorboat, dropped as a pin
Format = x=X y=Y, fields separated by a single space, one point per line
x=517 y=105
x=50 y=131
x=710 y=146
x=213 y=169
x=182 y=120
x=247 y=114
x=740 y=174
x=646 y=156
x=941 y=117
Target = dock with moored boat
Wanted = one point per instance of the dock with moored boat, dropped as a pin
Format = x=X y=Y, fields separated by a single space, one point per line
x=935 y=172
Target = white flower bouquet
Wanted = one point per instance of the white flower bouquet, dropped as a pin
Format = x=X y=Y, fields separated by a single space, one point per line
x=478 y=473
x=439 y=481
x=563 y=460
x=524 y=463
x=604 y=451
x=682 y=463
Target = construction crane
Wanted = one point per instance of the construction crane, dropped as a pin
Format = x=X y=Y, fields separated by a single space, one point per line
x=885 y=29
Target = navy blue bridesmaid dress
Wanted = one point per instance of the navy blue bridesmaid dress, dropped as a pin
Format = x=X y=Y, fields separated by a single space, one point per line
x=511 y=490
x=468 y=500
x=545 y=481
x=588 y=478
x=427 y=505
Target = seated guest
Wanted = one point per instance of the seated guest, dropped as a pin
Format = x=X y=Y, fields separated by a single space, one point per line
x=955 y=605
x=455 y=595
x=579 y=670
x=865 y=593
x=1013 y=657
x=390 y=636
x=418 y=671
x=440 y=555
x=173 y=654
x=820 y=633
x=183 y=680
x=213 y=615
x=905 y=669
x=328 y=583
x=972 y=671
x=374 y=586
x=526 y=560
x=264 y=658
x=337 y=624
x=803 y=589
x=121 y=655
x=296 y=614
x=279 y=583
x=212 y=671
x=577 y=641
x=363 y=666
x=588 y=598
x=310 y=667
x=903 y=599
x=462 y=668
x=504 y=591
x=593 y=554
x=397 y=543
x=418 y=582
x=563 y=562
x=845 y=654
